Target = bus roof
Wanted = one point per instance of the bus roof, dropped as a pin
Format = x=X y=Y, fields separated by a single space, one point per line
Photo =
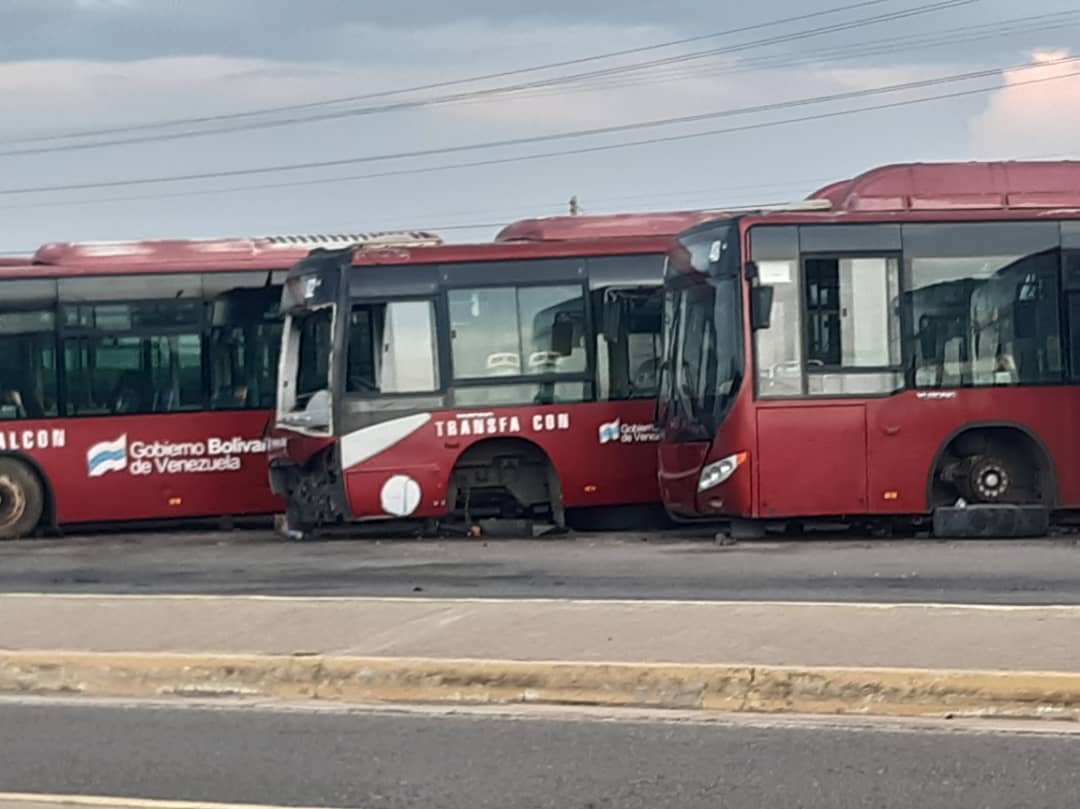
x=610 y=226
x=13 y=261
x=267 y=250
x=1006 y=185
x=553 y=237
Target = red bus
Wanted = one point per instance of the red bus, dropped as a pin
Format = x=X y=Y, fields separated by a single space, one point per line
x=511 y=380
x=137 y=379
x=907 y=352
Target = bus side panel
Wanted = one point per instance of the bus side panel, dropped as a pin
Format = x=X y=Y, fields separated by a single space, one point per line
x=607 y=456
x=604 y=454
x=906 y=431
x=150 y=467
x=811 y=459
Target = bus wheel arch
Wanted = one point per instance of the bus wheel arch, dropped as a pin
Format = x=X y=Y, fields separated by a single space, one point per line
x=518 y=467
x=26 y=497
x=993 y=462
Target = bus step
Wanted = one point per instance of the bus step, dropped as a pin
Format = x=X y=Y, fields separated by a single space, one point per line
x=991 y=522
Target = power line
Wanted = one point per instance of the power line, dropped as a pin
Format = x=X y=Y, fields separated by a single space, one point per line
x=332 y=180
x=451 y=82
x=585 y=150
x=658 y=140
x=757 y=109
x=945 y=37
x=620 y=70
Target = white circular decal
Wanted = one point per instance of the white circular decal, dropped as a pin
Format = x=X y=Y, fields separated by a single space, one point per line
x=400 y=496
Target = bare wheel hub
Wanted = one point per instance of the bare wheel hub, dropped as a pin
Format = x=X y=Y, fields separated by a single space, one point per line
x=12 y=501
x=991 y=481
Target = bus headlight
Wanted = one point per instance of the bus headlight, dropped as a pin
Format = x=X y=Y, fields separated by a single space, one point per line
x=717 y=472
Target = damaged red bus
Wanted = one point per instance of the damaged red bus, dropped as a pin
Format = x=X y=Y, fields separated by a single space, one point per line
x=907 y=355
x=509 y=380
x=137 y=379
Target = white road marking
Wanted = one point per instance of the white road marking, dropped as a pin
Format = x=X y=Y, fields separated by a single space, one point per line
x=620 y=602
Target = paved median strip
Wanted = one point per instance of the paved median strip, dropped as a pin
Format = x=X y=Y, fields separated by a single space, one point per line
x=716 y=687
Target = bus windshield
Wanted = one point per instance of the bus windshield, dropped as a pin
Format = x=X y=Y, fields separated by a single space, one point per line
x=704 y=366
x=313 y=355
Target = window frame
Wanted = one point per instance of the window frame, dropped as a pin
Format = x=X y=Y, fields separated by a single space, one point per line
x=93 y=335
x=75 y=334
x=210 y=298
x=597 y=294
x=1067 y=294
x=200 y=287
x=854 y=370
x=440 y=353
x=587 y=376
x=1064 y=326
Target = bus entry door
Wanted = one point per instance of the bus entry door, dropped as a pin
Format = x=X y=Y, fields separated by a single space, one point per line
x=811 y=460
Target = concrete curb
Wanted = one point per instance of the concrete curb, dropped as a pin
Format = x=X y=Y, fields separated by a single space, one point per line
x=734 y=688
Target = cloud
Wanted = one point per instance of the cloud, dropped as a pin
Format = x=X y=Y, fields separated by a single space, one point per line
x=1032 y=120
x=348 y=30
x=766 y=165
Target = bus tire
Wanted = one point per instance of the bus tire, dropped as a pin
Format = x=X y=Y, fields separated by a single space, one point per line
x=997 y=466
x=22 y=499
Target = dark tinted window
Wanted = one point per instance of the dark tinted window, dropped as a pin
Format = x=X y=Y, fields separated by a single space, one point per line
x=982 y=304
x=628 y=342
x=313 y=373
x=132 y=344
x=28 y=367
x=245 y=340
x=133 y=374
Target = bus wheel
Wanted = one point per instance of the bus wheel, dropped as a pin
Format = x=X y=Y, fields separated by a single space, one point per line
x=22 y=499
x=998 y=467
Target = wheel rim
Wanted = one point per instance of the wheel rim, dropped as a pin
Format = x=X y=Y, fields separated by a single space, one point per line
x=991 y=481
x=12 y=502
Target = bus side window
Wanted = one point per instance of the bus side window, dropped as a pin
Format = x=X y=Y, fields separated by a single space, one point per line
x=392 y=348
x=983 y=303
x=28 y=382
x=501 y=336
x=28 y=362
x=628 y=342
x=852 y=325
x=134 y=347
x=245 y=338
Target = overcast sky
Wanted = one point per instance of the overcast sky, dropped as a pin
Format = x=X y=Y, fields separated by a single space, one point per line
x=76 y=65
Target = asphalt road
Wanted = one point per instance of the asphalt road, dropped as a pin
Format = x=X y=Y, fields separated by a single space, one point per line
x=629 y=566
x=393 y=760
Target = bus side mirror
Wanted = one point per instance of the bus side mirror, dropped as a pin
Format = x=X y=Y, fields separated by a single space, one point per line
x=761 y=302
x=562 y=336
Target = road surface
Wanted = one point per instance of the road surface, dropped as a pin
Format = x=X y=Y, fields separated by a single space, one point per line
x=636 y=566
x=376 y=760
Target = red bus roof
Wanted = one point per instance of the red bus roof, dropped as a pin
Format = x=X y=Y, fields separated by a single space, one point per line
x=10 y=261
x=554 y=237
x=611 y=226
x=958 y=186
x=266 y=250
